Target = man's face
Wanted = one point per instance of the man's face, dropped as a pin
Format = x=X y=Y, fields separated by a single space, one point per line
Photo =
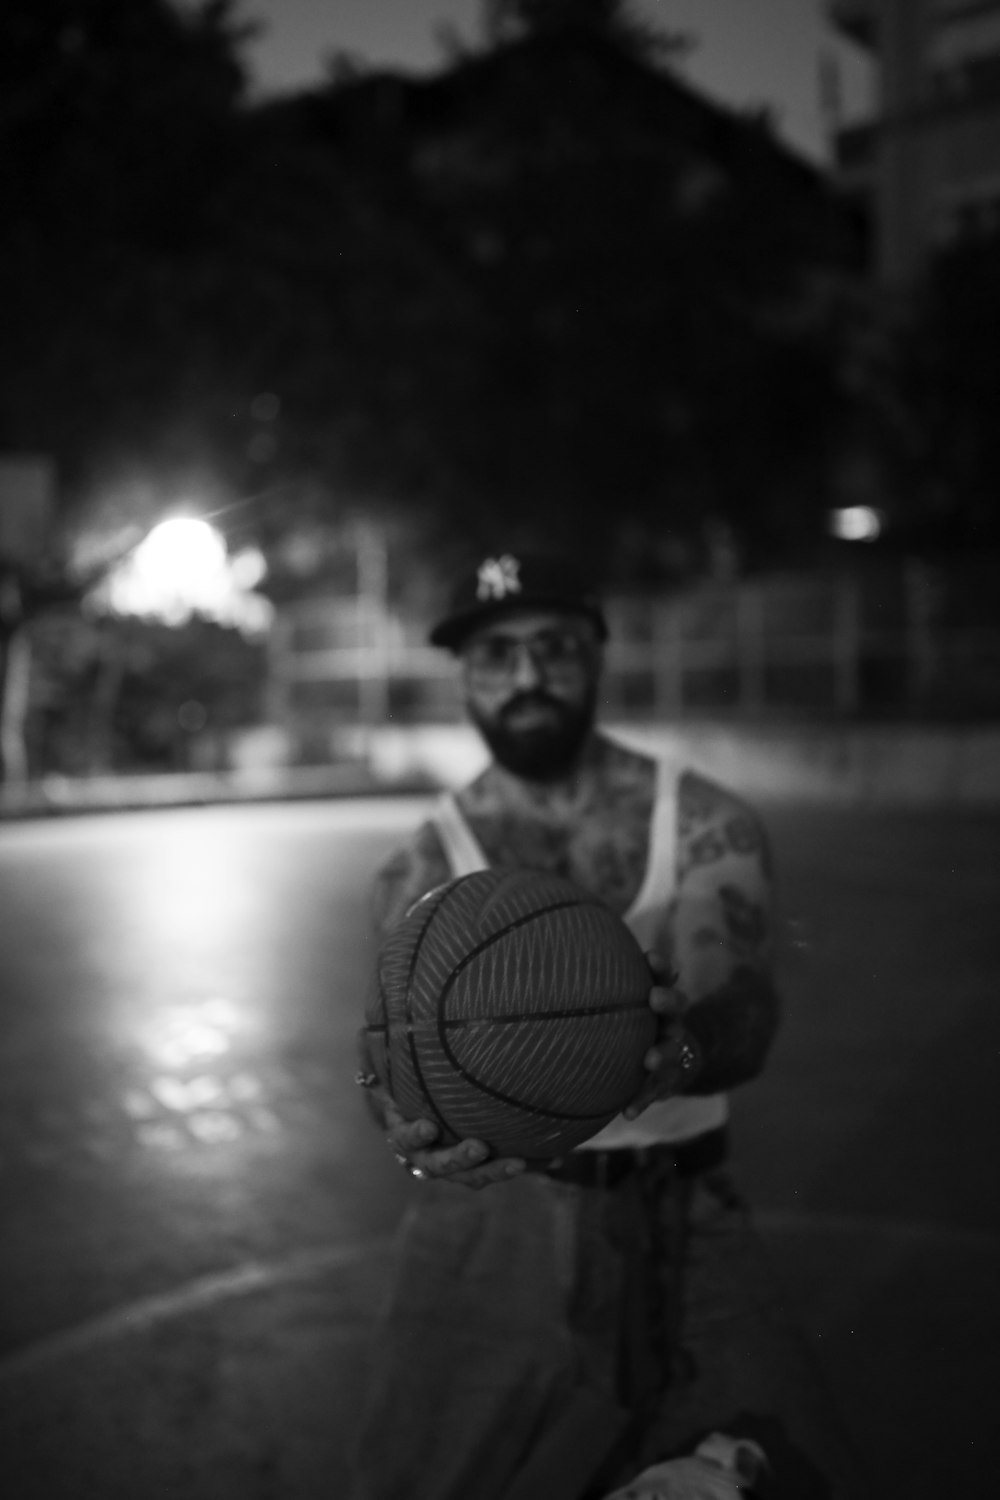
x=531 y=689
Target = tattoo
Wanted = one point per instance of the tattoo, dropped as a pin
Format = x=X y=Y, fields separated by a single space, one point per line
x=734 y=1027
x=708 y=937
x=746 y=923
x=722 y=927
x=598 y=838
x=712 y=823
x=406 y=876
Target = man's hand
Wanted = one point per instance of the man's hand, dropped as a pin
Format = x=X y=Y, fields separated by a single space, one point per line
x=669 y=1062
x=468 y=1164
x=412 y=1141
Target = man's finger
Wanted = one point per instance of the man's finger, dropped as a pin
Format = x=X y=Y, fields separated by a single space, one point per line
x=487 y=1175
x=660 y=966
x=643 y=1099
x=666 y=1002
x=411 y=1143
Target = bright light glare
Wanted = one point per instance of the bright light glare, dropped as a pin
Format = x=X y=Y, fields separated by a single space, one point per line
x=856 y=523
x=182 y=547
x=248 y=567
x=185 y=1035
x=182 y=568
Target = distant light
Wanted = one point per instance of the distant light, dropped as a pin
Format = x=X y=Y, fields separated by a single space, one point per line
x=857 y=523
x=248 y=567
x=177 y=569
x=182 y=547
x=181 y=569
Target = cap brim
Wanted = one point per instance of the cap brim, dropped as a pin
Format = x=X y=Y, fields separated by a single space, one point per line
x=452 y=631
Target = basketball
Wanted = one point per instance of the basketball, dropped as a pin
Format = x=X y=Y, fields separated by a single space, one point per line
x=513 y=1007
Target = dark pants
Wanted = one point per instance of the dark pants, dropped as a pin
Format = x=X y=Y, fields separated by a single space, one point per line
x=545 y=1341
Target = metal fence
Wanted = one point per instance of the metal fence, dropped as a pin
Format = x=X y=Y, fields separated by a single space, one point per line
x=894 y=643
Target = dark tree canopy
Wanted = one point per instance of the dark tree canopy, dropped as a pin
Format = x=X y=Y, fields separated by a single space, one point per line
x=616 y=21
x=116 y=129
x=550 y=284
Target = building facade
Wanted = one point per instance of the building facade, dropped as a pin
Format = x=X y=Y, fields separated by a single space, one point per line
x=926 y=170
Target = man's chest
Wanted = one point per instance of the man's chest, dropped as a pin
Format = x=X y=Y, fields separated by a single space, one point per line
x=604 y=852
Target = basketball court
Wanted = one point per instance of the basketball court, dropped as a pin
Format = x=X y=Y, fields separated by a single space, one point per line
x=199 y=1214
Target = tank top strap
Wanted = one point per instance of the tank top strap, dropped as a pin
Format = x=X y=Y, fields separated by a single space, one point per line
x=661 y=860
x=460 y=844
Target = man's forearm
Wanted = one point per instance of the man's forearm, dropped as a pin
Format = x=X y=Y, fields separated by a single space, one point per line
x=733 y=1028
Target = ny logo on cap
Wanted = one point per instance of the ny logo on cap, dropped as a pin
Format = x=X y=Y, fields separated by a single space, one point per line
x=498 y=577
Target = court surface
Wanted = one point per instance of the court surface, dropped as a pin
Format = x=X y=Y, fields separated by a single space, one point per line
x=197 y=1213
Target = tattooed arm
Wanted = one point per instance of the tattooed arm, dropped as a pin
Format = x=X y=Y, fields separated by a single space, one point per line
x=723 y=938
x=407 y=875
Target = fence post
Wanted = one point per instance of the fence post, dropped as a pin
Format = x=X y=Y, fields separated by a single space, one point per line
x=278 y=688
x=750 y=647
x=847 y=646
x=919 y=636
x=668 y=660
x=372 y=606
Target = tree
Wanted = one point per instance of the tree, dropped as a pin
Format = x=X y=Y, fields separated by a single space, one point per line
x=551 y=283
x=116 y=128
x=949 y=375
x=615 y=20
x=570 y=293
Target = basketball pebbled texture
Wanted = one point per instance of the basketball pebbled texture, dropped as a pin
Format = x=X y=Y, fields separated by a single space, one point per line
x=513 y=1007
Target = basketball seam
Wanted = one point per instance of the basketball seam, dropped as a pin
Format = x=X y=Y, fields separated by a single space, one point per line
x=384 y=1002
x=477 y=1083
x=529 y=1018
x=410 y=1026
x=532 y=1018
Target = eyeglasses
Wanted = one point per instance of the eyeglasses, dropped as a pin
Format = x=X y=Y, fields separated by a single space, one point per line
x=554 y=653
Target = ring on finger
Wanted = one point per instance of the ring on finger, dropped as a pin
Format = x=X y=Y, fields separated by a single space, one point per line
x=408 y=1166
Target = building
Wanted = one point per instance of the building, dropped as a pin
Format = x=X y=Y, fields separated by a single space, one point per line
x=926 y=170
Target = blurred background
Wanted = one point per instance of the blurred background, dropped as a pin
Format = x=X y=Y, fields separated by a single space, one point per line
x=305 y=302
x=291 y=329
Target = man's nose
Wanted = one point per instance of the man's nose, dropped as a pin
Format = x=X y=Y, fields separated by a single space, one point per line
x=526 y=673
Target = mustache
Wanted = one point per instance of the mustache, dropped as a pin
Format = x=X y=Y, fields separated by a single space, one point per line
x=536 y=698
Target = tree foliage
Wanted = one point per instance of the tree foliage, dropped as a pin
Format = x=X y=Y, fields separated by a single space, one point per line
x=549 y=287
x=116 y=129
x=616 y=21
x=949 y=366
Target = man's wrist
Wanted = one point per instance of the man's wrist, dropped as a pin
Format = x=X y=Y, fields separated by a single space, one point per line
x=732 y=1029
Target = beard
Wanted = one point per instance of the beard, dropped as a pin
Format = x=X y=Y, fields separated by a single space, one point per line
x=537 y=751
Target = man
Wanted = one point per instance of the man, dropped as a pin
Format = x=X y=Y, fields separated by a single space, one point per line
x=548 y=1336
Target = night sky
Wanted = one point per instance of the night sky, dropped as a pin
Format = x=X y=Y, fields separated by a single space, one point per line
x=750 y=52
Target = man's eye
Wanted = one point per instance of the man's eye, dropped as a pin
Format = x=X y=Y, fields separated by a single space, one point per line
x=558 y=648
x=496 y=653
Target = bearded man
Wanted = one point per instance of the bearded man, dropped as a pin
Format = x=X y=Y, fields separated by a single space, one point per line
x=553 y=1327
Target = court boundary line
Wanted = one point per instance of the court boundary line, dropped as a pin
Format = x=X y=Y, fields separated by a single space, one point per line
x=133 y=1319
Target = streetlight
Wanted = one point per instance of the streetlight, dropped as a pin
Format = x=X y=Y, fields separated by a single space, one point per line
x=182 y=567
x=857 y=523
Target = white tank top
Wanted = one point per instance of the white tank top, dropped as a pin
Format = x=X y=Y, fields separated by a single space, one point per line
x=684 y=1117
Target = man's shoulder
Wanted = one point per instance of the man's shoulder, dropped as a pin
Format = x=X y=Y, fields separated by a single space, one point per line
x=627 y=768
x=412 y=869
x=701 y=798
x=713 y=819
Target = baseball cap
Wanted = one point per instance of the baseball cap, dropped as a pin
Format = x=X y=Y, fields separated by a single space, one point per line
x=506 y=581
